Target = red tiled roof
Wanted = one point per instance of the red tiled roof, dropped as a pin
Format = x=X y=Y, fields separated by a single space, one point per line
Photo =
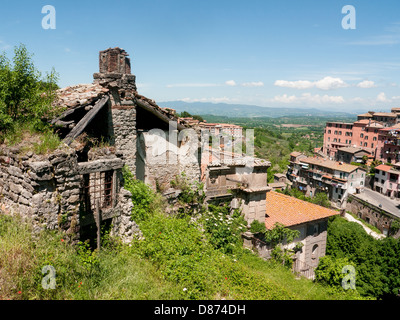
x=383 y=167
x=291 y=211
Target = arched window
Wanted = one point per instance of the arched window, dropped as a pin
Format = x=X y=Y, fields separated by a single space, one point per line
x=315 y=252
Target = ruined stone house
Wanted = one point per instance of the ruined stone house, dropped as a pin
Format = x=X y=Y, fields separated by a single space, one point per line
x=104 y=126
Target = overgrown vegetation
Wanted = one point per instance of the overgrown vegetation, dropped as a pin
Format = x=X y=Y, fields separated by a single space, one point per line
x=179 y=257
x=26 y=102
x=376 y=262
x=320 y=198
x=203 y=254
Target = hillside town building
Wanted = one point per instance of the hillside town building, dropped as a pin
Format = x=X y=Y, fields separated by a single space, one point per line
x=352 y=154
x=374 y=132
x=387 y=180
x=310 y=220
x=316 y=174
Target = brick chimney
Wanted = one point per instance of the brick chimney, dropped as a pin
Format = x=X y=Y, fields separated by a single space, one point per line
x=115 y=70
x=114 y=61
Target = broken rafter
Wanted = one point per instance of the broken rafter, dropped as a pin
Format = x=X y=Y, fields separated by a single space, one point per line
x=78 y=129
x=145 y=105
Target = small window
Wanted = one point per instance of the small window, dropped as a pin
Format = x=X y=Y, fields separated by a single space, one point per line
x=314 y=252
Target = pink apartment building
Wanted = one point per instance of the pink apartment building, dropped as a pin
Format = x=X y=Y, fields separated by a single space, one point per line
x=387 y=180
x=362 y=133
x=373 y=132
x=389 y=145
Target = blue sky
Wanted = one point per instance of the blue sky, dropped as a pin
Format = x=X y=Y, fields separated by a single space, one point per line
x=268 y=53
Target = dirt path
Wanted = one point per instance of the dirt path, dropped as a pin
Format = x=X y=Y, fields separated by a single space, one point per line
x=367 y=230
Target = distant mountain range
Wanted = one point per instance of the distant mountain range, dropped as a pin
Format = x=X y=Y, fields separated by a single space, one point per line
x=242 y=110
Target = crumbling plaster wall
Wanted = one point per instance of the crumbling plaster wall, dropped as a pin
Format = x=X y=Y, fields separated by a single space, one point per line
x=160 y=161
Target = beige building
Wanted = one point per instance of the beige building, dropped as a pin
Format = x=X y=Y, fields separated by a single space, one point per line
x=337 y=179
x=309 y=219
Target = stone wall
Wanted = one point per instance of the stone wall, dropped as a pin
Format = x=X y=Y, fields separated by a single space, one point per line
x=124 y=135
x=43 y=189
x=253 y=206
x=47 y=191
x=371 y=214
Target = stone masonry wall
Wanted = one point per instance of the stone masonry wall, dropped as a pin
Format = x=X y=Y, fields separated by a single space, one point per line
x=46 y=191
x=124 y=127
x=43 y=189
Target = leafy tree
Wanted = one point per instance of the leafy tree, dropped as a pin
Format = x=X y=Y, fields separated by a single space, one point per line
x=389 y=261
x=280 y=234
x=185 y=114
x=224 y=227
x=24 y=95
x=197 y=117
x=374 y=260
x=321 y=199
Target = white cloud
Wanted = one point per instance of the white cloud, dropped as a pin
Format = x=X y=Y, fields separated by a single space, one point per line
x=285 y=98
x=253 y=84
x=327 y=83
x=366 y=84
x=382 y=97
x=231 y=83
x=308 y=98
x=300 y=84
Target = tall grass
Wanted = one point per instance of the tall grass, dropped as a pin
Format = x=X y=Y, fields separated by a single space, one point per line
x=174 y=261
x=28 y=137
x=113 y=273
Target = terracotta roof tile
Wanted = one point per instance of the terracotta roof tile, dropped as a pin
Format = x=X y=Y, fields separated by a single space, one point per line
x=291 y=211
x=330 y=164
x=383 y=167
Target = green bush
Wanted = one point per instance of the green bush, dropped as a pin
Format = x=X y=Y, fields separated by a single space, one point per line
x=24 y=95
x=224 y=228
x=191 y=197
x=257 y=227
x=376 y=261
x=329 y=270
x=144 y=199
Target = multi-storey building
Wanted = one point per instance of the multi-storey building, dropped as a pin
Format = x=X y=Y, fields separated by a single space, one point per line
x=387 y=180
x=389 y=145
x=220 y=129
x=336 y=179
x=363 y=133
x=351 y=154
